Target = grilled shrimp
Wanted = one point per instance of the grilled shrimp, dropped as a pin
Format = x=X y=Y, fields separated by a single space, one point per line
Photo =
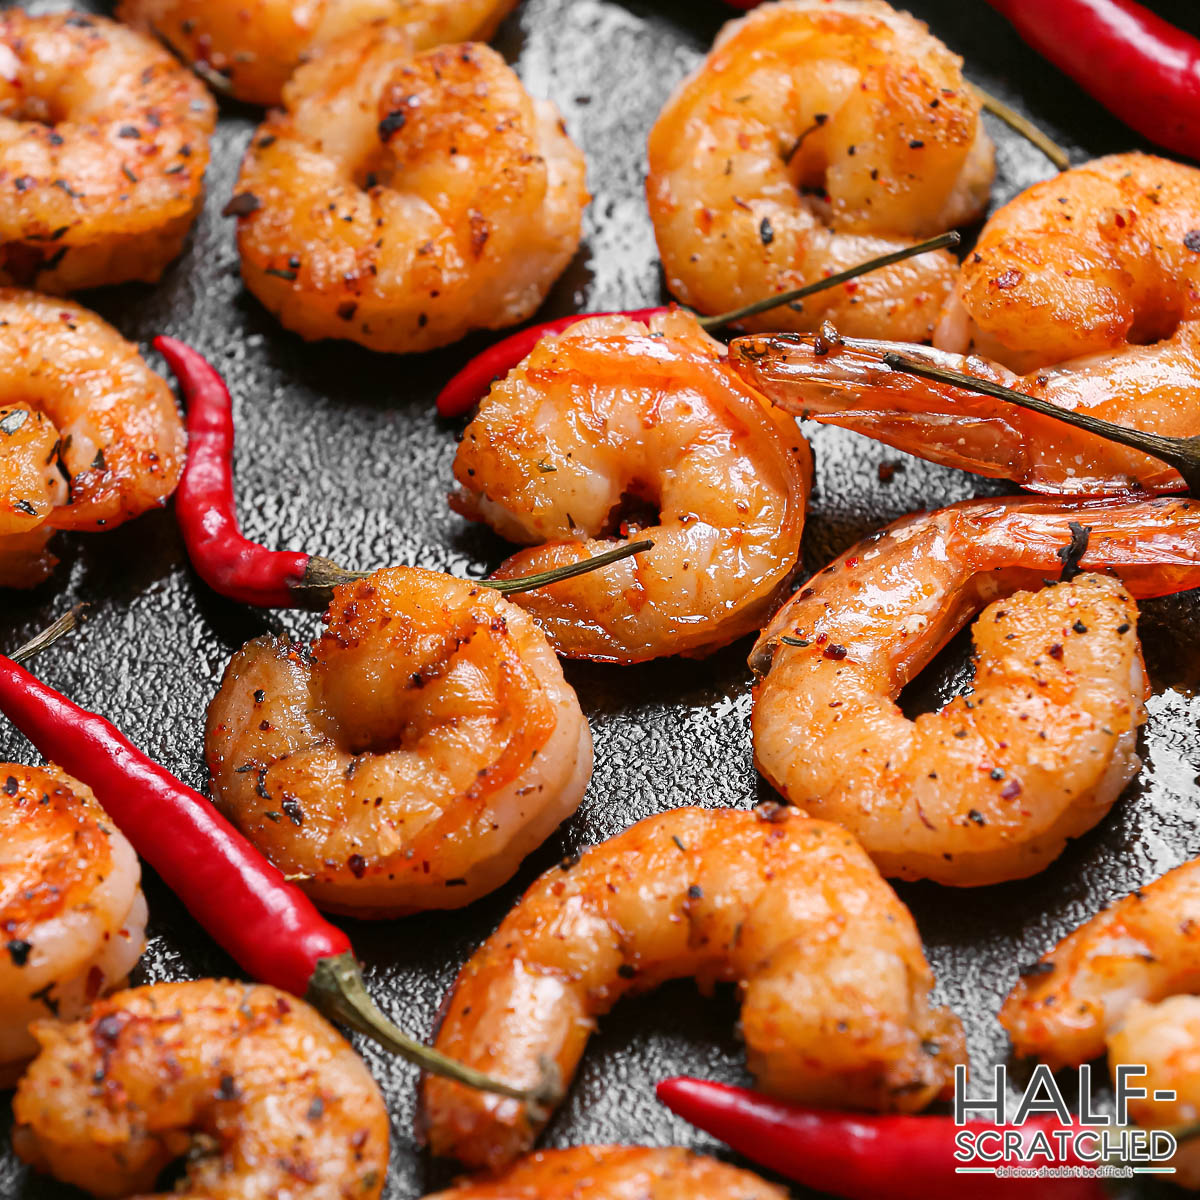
x=1127 y=979
x=992 y=786
x=816 y=135
x=91 y=439
x=835 y=987
x=616 y=1173
x=252 y=1085
x=71 y=906
x=248 y=48
x=606 y=420
x=402 y=200
x=1090 y=284
x=413 y=757
x=104 y=139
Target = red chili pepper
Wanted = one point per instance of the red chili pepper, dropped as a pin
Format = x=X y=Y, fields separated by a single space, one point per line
x=266 y=923
x=1141 y=68
x=856 y=1156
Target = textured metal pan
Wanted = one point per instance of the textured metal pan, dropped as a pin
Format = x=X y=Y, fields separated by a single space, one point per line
x=339 y=453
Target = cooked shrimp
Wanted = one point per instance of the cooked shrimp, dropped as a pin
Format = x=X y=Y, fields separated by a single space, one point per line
x=248 y=48
x=401 y=201
x=422 y=748
x=1090 y=283
x=835 y=987
x=103 y=146
x=616 y=1173
x=1126 y=979
x=992 y=786
x=93 y=439
x=816 y=135
x=612 y=417
x=262 y=1096
x=71 y=905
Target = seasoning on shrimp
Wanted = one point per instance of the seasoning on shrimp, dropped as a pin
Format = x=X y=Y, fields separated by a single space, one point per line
x=250 y=1085
x=248 y=48
x=616 y=1173
x=71 y=906
x=835 y=987
x=104 y=140
x=616 y=428
x=1125 y=980
x=402 y=200
x=92 y=438
x=413 y=758
x=816 y=134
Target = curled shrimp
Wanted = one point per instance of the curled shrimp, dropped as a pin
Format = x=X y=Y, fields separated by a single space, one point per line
x=402 y=200
x=104 y=140
x=252 y=1085
x=835 y=987
x=91 y=439
x=1127 y=981
x=617 y=428
x=615 y=1173
x=818 y=134
x=1088 y=283
x=991 y=787
x=249 y=49
x=71 y=905
x=413 y=757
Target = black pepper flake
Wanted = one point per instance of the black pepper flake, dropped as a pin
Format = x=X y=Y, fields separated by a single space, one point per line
x=259 y=696
x=227 y=1088
x=695 y=892
x=11 y=786
x=23 y=183
x=280 y=273
x=266 y=141
x=98 y=463
x=765 y=232
x=1056 y=651
x=392 y=123
x=64 y=186
x=15 y=419
x=626 y=971
x=973 y=814
x=357 y=865
x=128 y=174
x=292 y=810
x=129 y=131
x=242 y=205
x=996 y=773
x=1071 y=554
x=1124 y=627
x=1079 y=627
x=794 y=641
x=316 y=1110
x=916 y=144
x=1030 y=970
x=25 y=507
x=1191 y=239
x=18 y=950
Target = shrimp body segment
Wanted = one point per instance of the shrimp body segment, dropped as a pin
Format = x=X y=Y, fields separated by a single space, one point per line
x=835 y=987
x=104 y=140
x=266 y=1096
x=816 y=135
x=409 y=760
x=89 y=412
x=617 y=428
x=71 y=905
x=402 y=200
x=616 y=1173
x=249 y=49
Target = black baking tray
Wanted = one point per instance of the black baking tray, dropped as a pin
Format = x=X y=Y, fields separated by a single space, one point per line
x=340 y=453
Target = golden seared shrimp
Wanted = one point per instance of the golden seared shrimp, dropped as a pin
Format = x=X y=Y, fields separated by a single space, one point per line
x=88 y=413
x=103 y=147
x=261 y=1095
x=835 y=987
x=616 y=1173
x=616 y=428
x=1126 y=980
x=1090 y=284
x=402 y=200
x=249 y=48
x=71 y=906
x=816 y=135
x=413 y=757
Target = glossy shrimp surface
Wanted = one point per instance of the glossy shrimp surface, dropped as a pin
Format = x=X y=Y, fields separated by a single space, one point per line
x=249 y=49
x=90 y=436
x=71 y=905
x=104 y=140
x=615 y=1173
x=252 y=1085
x=835 y=987
x=619 y=429
x=1127 y=981
x=816 y=135
x=1087 y=287
x=402 y=200
x=422 y=747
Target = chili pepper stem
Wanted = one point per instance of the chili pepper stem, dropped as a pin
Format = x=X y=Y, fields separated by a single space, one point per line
x=48 y=636
x=942 y=241
x=337 y=989
x=1026 y=128
x=1181 y=453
